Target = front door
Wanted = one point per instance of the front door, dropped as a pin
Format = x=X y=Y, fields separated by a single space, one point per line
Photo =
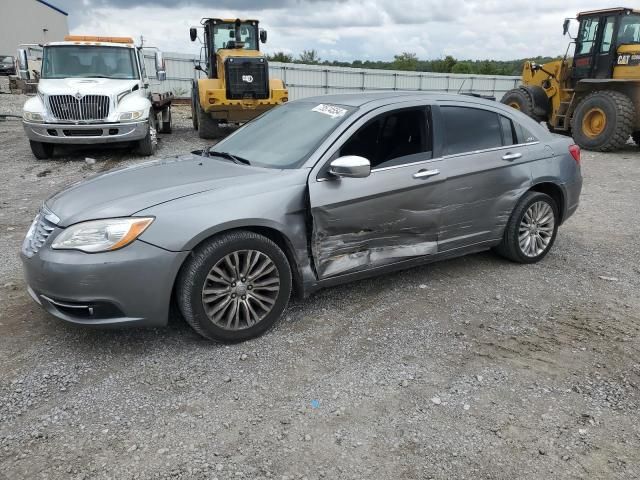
x=606 y=52
x=393 y=214
x=586 y=48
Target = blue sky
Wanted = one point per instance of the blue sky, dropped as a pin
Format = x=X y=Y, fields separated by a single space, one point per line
x=349 y=30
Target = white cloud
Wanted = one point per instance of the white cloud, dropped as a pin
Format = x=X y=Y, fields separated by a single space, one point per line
x=351 y=29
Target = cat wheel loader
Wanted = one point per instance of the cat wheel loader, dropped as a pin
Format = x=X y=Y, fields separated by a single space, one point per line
x=237 y=87
x=594 y=96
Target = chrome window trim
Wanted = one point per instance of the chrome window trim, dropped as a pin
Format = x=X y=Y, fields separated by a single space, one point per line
x=462 y=154
x=373 y=170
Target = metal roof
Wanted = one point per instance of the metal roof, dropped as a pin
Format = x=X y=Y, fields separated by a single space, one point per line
x=388 y=98
x=607 y=10
x=53 y=7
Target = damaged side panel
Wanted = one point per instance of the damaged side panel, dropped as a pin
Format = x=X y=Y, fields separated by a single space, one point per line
x=363 y=223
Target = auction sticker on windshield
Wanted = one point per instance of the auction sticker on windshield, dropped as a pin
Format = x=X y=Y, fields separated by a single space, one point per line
x=331 y=110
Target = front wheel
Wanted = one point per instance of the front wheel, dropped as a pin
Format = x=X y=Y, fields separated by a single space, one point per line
x=234 y=287
x=531 y=230
x=148 y=145
x=40 y=150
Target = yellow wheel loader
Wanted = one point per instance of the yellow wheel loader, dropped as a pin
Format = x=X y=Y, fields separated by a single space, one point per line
x=594 y=96
x=237 y=87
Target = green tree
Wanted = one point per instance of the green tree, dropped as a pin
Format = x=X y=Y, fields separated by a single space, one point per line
x=462 y=67
x=405 y=61
x=280 y=57
x=309 y=56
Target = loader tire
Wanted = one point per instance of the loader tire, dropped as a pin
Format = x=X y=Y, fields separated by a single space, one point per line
x=195 y=101
x=521 y=99
x=636 y=137
x=208 y=127
x=603 y=121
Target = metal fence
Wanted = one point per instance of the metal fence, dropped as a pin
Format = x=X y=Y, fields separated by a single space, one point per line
x=309 y=80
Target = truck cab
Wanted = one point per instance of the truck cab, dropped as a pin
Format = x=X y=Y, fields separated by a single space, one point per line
x=94 y=90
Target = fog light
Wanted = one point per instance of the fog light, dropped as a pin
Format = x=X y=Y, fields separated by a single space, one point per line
x=113 y=131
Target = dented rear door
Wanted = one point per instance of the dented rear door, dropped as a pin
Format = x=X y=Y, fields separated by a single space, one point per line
x=390 y=216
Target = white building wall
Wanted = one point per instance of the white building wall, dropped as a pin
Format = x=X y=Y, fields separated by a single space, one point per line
x=25 y=21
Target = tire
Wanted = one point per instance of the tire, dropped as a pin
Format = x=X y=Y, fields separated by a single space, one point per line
x=165 y=125
x=197 y=275
x=194 y=104
x=521 y=99
x=148 y=145
x=42 y=151
x=208 y=128
x=636 y=137
x=510 y=247
x=617 y=112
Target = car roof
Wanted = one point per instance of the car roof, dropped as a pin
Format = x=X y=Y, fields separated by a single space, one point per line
x=374 y=99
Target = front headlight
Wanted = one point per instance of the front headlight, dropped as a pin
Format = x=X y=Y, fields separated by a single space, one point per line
x=101 y=235
x=32 y=116
x=131 y=115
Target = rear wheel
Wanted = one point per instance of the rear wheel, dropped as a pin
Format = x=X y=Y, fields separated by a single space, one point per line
x=42 y=151
x=521 y=99
x=208 y=127
x=148 y=145
x=531 y=230
x=194 y=103
x=165 y=121
x=234 y=287
x=603 y=121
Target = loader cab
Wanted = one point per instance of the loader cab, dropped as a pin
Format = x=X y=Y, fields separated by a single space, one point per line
x=604 y=36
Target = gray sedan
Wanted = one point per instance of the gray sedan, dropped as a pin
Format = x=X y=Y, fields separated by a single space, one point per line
x=314 y=193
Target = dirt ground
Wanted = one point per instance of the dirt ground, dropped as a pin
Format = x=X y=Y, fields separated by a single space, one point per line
x=466 y=369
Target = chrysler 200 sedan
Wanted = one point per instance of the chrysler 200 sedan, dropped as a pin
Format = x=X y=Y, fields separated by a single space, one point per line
x=314 y=193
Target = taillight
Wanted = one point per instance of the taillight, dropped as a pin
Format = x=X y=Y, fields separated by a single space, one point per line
x=574 y=150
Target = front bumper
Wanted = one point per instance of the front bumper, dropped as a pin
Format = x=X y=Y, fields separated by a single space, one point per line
x=73 y=134
x=127 y=287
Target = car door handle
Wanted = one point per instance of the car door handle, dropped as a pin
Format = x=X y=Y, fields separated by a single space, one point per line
x=511 y=156
x=426 y=173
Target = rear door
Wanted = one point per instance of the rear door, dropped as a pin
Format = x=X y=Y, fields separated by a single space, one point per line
x=487 y=161
x=390 y=216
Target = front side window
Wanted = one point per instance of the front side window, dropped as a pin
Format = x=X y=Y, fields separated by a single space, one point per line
x=607 y=35
x=470 y=129
x=285 y=136
x=629 y=31
x=392 y=138
x=84 y=61
x=587 y=36
x=224 y=36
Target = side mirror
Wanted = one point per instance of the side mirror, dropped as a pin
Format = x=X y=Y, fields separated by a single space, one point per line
x=263 y=36
x=193 y=34
x=23 y=64
x=161 y=72
x=351 y=166
x=565 y=26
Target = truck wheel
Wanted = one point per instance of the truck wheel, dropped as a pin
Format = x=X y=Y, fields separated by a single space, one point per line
x=195 y=101
x=208 y=127
x=521 y=99
x=165 y=121
x=603 y=121
x=148 y=145
x=42 y=151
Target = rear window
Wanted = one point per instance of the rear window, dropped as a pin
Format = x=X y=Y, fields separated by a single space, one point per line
x=468 y=129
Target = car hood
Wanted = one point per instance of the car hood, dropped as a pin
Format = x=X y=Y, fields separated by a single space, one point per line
x=84 y=86
x=125 y=191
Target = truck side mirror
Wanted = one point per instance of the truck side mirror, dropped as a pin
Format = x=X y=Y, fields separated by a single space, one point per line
x=263 y=36
x=161 y=72
x=23 y=64
x=565 y=26
x=193 y=34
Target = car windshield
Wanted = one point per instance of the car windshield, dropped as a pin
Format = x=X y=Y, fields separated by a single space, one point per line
x=6 y=59
x=285 y=136
x=629 y=31
x=64 y=61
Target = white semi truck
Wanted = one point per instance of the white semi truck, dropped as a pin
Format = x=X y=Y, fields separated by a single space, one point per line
x=94 y=90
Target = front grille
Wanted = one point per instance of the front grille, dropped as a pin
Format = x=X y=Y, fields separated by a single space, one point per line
x=89 y=107
x=247 y=78
x=93 y=132
x=37 y=235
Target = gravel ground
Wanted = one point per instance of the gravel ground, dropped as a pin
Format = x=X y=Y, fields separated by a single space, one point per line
x=469 y=368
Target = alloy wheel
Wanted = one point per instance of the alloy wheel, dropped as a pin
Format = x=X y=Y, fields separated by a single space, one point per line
x=241 y=289
x=536 y=229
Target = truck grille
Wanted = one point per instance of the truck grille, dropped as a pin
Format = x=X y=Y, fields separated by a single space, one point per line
x=37 y=235
x=247 y=78
x=89 y=107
